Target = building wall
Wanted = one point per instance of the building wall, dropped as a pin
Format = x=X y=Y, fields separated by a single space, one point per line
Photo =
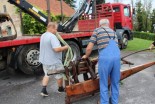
x=11 y=10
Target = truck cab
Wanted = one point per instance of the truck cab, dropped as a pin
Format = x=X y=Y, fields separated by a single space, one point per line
x=120 y=18
x=123 y=22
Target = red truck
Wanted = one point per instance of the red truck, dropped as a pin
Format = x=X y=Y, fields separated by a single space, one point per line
x=23 y=52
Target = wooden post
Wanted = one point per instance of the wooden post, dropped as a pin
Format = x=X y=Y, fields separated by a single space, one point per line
x=48 y=10
x=62 y=19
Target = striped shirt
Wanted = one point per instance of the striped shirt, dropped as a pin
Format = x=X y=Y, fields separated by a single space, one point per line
x=101 y=38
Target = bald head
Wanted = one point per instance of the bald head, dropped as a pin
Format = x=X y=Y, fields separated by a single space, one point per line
x=52 y=27
x=104 y=22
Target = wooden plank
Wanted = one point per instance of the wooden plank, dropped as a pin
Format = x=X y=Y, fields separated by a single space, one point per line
x=83 y=87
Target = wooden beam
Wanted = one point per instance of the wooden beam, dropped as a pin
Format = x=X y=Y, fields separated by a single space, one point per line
x=93 y=85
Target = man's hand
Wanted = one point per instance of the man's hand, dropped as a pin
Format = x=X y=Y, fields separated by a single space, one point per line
x=84 y=57
x=60 y=49
x=66 y=47
x=151 y=46
x=88 y=50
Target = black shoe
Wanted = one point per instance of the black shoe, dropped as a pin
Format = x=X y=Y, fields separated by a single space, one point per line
x=61 y=89
x=44 y=93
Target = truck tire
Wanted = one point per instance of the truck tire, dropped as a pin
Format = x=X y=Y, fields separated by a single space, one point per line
x=10 y=63
x=28 y=60
x=75 y=49
x=124 y=41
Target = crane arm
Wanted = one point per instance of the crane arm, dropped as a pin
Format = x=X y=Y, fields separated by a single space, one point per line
x=31 y=10
x=69 y=24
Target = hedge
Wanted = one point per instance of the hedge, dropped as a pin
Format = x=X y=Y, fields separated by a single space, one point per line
x=144 y=35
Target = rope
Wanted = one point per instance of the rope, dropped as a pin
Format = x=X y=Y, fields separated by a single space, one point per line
x=69 y=54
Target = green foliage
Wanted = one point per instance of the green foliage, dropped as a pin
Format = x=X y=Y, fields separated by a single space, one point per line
x=153 y=20
x=139 y=20
x=59 y=18
x=144 y=35
x=143 y=16
x=100 y=1
x=32 y=26
x=138 y=44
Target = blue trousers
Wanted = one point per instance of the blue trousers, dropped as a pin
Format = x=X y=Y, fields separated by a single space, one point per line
x=109 y=67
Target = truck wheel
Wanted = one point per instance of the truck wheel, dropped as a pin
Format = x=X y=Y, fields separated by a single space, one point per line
x=124 y=41
x=28 y=60
x=10 y=63
x=75 y=49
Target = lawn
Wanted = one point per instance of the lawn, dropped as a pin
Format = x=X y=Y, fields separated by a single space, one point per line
x=137 y=44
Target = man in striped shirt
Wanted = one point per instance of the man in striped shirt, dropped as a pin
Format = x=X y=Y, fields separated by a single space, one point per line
x=108 y=61
x=101 y=38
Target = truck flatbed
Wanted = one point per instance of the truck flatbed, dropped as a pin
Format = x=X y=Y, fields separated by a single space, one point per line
x=22 y=40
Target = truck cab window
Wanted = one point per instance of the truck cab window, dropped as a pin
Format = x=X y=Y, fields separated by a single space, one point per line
x=126 y=11
x=116 y=9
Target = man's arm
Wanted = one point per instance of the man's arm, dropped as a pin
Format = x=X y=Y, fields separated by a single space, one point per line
x=88 y=50
x=90 y=46
x=60 y=49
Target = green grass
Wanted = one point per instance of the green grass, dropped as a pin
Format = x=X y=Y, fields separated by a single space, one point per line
x=137 y=44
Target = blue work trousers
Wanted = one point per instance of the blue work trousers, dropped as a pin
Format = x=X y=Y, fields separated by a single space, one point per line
x=109 y=67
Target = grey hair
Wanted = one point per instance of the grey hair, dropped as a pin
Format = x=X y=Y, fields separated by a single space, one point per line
x=104 y=22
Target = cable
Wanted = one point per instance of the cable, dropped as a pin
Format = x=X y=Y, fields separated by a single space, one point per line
x=135 y=53
x=69 y=54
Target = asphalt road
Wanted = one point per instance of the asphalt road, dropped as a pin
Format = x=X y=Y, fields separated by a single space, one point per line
x=137 y=89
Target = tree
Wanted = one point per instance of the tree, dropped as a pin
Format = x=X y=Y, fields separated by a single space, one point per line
x=100 y=1
x=153 y=20
x=143 y=15
x=147 y=10
x=116 y=0
x=32 y=26
x=144 y=20
x=138 y=25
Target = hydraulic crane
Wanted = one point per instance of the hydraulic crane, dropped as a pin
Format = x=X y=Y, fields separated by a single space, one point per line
x=67 y=26
x=21 y=52
x=31 y=10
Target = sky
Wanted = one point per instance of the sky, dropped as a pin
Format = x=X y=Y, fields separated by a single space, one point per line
x=123 y=1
